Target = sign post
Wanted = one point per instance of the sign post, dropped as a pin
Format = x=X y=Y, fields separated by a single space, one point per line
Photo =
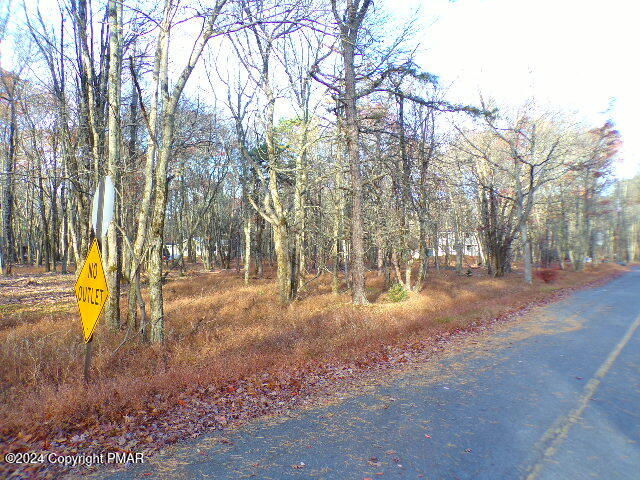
x=91 y=285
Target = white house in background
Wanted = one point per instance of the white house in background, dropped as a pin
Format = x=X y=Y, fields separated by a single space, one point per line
x=447 y=241
x=173 y=250
x=198 y=246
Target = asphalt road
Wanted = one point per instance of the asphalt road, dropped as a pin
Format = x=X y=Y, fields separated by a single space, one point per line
x=555 y=395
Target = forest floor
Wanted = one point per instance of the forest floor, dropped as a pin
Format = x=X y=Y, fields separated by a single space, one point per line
x=231 y=353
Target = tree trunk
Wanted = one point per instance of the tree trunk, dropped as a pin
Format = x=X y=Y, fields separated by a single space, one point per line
x=526 y=248
x=113 y=244
x=247 y=249
x=159 y=68
x=280 y=239
x=260 y=224
x=156 y=234
x=337 y=230
x=352 y=136
x=7 y=250
x=157 y=231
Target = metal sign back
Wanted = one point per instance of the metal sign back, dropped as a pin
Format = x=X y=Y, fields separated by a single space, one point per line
x=108 y=206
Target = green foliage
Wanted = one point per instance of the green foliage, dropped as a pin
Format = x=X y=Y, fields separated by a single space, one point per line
x=397 y=292
x=286 y=124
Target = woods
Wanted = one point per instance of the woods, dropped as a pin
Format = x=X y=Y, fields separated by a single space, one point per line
x=299 y=135
x=306 y=199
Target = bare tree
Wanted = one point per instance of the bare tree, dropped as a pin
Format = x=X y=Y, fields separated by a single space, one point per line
x=9 y=95
x=170 y=100
x=349 y=23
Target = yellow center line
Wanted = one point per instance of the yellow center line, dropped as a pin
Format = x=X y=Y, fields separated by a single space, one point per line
x=559 y=432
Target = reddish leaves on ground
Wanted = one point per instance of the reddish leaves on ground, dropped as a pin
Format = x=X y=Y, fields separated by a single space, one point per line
x=211 y=408
x=547 y=275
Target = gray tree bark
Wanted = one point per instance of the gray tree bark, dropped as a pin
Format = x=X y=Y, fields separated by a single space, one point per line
x=350 y=24
x=113 y=243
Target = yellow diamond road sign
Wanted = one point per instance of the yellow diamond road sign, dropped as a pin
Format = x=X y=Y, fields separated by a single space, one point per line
x=91 y=290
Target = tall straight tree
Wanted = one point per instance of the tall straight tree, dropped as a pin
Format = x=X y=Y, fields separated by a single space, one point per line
x=8 y=94
x=349 y=23
x=5 y=175
x=112 y=308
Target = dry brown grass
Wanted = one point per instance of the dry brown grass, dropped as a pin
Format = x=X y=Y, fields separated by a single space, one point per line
x=218 y=331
